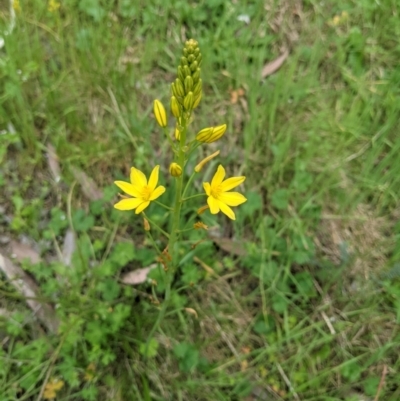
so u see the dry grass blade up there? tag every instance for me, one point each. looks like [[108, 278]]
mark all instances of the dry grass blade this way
[[137, 276], [28, 288], [89, 187], [274, 66], [52, 161]]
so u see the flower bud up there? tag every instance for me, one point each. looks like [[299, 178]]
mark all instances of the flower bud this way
[[197, 87], [175, 107], [184, 61], [205, 160], [197, 100], [188, 84], [188, 101], [196, 76], [194, 66], [211, 134], [204, 134], [160, 114], [177, 134], [202, 209], [186, 71], [180, 90], [146, 225], [181, 74], [175, 170]]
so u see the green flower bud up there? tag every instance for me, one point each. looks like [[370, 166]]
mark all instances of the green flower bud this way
[[191, 58], [175, 170], [196, 52], [186, 71], [180, 90], [199, 59], [197, 87], [196, 76], [184, 61], [181, 74], [188, 101], [188, 84], [197, 100], [175, 107], [194, 66], [160, 114]]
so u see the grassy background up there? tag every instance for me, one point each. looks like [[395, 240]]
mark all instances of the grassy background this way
[[308, 308]]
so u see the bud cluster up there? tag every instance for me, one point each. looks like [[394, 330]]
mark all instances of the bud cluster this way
[[187, 88]]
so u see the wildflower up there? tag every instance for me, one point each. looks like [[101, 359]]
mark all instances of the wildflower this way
[[142, 191], [175, 170], [211, 134], [51, 389], [160, 114], [219, 199], [53, 6], [205, 160]]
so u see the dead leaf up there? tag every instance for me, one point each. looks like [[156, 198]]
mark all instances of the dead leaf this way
[[53, 162], [231, 246], [205, 266], [89, 187], [28, 288], [22, 252], [68, 247], [137, 276], [274, 66]]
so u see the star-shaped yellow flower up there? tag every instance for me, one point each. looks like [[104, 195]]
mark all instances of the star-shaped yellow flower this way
[[218, 197], [143, 192]]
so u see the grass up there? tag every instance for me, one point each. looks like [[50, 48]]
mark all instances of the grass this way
[[310, 309]]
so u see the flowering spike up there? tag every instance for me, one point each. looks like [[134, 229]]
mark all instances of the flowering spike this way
[[204, 161], [160, 114]]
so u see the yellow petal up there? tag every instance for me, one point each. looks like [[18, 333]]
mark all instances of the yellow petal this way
[[128, 204], [157, 193], [207, 188], [218, 176], [138, 178], [232, 183], [232, 198], [141, 207], [128, 188], [213, 203], [153, 180], [225, 209]]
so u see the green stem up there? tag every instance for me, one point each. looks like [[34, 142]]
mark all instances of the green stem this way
[[174, 234], [162, 205], [187, 185], [193, 196]]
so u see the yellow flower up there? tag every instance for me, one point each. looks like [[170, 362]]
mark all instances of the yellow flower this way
[[53, 5], [219, 199], [51, 389], [143, 192]]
